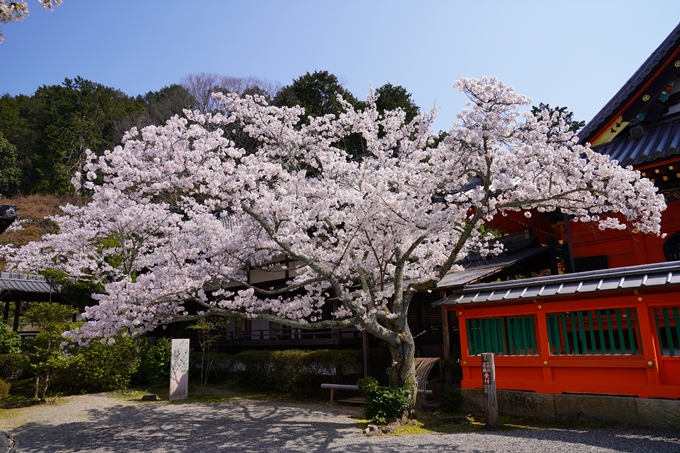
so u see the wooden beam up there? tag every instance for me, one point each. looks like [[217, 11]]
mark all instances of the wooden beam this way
[[445, 331]]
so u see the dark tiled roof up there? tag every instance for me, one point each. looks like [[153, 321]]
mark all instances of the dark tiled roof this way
[[662, 140], [623, 278], [485, 268], [636, 81], [25, 283]]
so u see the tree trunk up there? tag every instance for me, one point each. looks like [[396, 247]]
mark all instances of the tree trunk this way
[[403, 373], [37, 388], [44, 386]]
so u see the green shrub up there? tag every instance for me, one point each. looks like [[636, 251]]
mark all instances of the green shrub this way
[[295, 369], [339, 366], [12, 366], [367, 385], [287, 367], [220, 365], [10, 342], [100, 367], [383, 404], [451, 400], [254, 369], [222, 362], [4, 388], [154, 361], [335, 363], [47, 359]]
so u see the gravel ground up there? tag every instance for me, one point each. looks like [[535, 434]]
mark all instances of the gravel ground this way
[[99, 423]]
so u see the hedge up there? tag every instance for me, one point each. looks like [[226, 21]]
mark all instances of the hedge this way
[[292, 369], [4, 388]]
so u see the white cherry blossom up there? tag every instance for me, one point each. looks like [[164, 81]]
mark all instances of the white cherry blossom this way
[[180, 214], [17, 11]]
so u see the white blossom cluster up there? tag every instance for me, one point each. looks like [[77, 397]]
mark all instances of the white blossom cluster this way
[[18, 11], [360, 232]]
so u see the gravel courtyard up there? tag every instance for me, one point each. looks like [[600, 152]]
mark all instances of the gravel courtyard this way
[[99, 423]]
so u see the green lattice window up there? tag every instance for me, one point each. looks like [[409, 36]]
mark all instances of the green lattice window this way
[[504, 335], [594, 332], [668, 330]]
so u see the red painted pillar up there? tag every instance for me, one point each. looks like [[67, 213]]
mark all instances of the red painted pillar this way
[[543, 343], [464, 358], [648, 341]]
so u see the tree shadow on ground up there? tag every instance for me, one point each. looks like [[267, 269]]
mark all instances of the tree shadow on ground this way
[[246, 426]]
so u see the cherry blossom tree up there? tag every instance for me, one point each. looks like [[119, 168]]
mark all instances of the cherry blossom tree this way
[[179, 214], [18, 11]]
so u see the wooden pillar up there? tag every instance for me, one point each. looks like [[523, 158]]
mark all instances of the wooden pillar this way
[[490, 397], [17, 307], [445, 332], [648, 341], [6, 318], [447, 341], [364, 347], [464, 357], [569, 250], [543, 343]]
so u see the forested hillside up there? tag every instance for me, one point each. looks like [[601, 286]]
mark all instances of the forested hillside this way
[[43, 137]]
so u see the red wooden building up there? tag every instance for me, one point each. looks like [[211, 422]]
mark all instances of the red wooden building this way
[[613, 325]]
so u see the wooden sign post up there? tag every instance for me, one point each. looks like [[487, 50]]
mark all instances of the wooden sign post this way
[[489, 385]]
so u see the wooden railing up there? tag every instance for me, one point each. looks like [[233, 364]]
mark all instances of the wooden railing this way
[[667, 324], [594, 332], [290, 334]]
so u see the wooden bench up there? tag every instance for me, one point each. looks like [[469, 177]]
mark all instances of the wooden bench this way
[[334, 387]]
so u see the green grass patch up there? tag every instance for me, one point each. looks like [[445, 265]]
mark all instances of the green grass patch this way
[[133, 394], [413, 430]]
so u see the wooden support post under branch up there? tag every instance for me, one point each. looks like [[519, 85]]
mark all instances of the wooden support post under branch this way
[[490, 397]]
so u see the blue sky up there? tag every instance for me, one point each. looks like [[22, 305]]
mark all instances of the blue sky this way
[[568, 53]]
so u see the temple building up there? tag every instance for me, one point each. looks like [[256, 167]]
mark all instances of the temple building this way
[[608, 321]]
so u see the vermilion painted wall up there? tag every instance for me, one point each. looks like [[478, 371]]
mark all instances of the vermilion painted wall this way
[[647, 374], [624, 248]]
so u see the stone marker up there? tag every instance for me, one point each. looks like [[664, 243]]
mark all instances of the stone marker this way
[[179, 369]]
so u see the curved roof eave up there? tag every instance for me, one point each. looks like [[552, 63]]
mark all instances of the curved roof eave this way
[[638, 79]]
